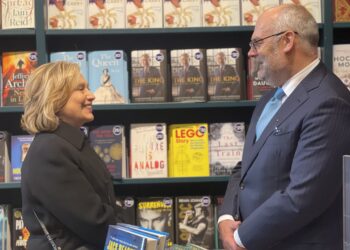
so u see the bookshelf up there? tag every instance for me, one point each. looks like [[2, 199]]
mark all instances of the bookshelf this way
[[47, 41]]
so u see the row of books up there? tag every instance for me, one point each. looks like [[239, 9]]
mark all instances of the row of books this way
[[111, 14], [156, 150]]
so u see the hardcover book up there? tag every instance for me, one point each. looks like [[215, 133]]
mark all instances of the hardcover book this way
[[256, 87], [5, 229], [157, 213], [109, 143], [68, 14], [107, 14], [149, 75], [188, 150], [188, 75], [225, 74], [20, 233], [182, 14], [226, 142], [5, 164], [341, 62], [19, 147], [251, 10], [16, 67], [218, 201], [78, 57], [341, 9], [148, 150], [127, 206], [221, 13], [18, 14], [108, 76], [144, 14], [194, 213], [313, 6]]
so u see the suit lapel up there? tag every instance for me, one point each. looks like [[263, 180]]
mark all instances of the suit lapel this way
[[293, 102]]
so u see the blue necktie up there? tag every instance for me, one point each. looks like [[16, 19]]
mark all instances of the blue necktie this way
[[269, 111]]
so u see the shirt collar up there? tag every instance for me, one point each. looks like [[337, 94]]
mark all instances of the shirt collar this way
[[71, 134]]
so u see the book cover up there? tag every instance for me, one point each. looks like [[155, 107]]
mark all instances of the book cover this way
[[221, 13], [109, 143], [188, 75], [149, 75], [16, 67], [256, 87], [108, 76], [313, 6], [144, 14], [341, 10], [341, 62], [78, 57], [19, 148], [67, 14], [194, 213], [127, 206], [188, 150], [157, 213], [5, 229], [218, 201], [148, 150], [251, 10], [107, 14], [182, 14], [20, 233], [17, 14], [225, 74], [226, 142], [5, 164]]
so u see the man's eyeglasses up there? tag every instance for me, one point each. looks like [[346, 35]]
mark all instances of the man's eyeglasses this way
[[253, 44]]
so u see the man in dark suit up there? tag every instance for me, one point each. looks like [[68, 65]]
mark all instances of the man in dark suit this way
[[153, 81], [289, 192]]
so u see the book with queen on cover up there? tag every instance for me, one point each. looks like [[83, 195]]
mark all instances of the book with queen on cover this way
[[188, 150], [148, 150], [16, 67], [109, 143]]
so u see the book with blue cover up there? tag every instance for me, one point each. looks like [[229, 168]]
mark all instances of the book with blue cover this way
[[78, 57], [108, 78], [19, 147]]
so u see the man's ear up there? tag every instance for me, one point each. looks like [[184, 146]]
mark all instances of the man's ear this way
[[289, 40]]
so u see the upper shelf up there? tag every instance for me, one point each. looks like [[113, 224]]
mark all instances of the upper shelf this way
[[344, 25], [17, 32]]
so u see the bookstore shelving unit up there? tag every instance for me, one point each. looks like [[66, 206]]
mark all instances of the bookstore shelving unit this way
[[47, 41]]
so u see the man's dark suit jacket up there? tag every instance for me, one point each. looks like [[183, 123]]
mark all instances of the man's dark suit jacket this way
[[289, 194], [70, 189]]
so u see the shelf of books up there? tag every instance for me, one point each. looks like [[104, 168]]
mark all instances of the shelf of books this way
[[171, 180]]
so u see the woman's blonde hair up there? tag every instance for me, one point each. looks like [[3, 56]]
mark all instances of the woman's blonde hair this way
[[47, 90]]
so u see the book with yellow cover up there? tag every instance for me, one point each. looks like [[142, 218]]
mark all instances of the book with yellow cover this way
[[188, 150]]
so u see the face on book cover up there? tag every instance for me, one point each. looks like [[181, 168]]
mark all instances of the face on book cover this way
[[154, 219], [78, 109]]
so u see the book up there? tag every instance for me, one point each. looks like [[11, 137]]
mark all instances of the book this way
[[127, 208], [188, 150], [144, 14], [157, 213], [162, 236], [19, 147], [256, 87], [149, 75], [182, 14], [109, 143], [225, 74], [148, 150], [5, 229], [226, 142], [218, 201], [107, 14], [68, 14], [16, 67], [194, 213], [341, 62], [251, 10], [17, 14], [188, 75], [108, 78], [20, 233], [313, 6], [341, 10], [5, 164], [119, 237], [221, 13], [78, 57]]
